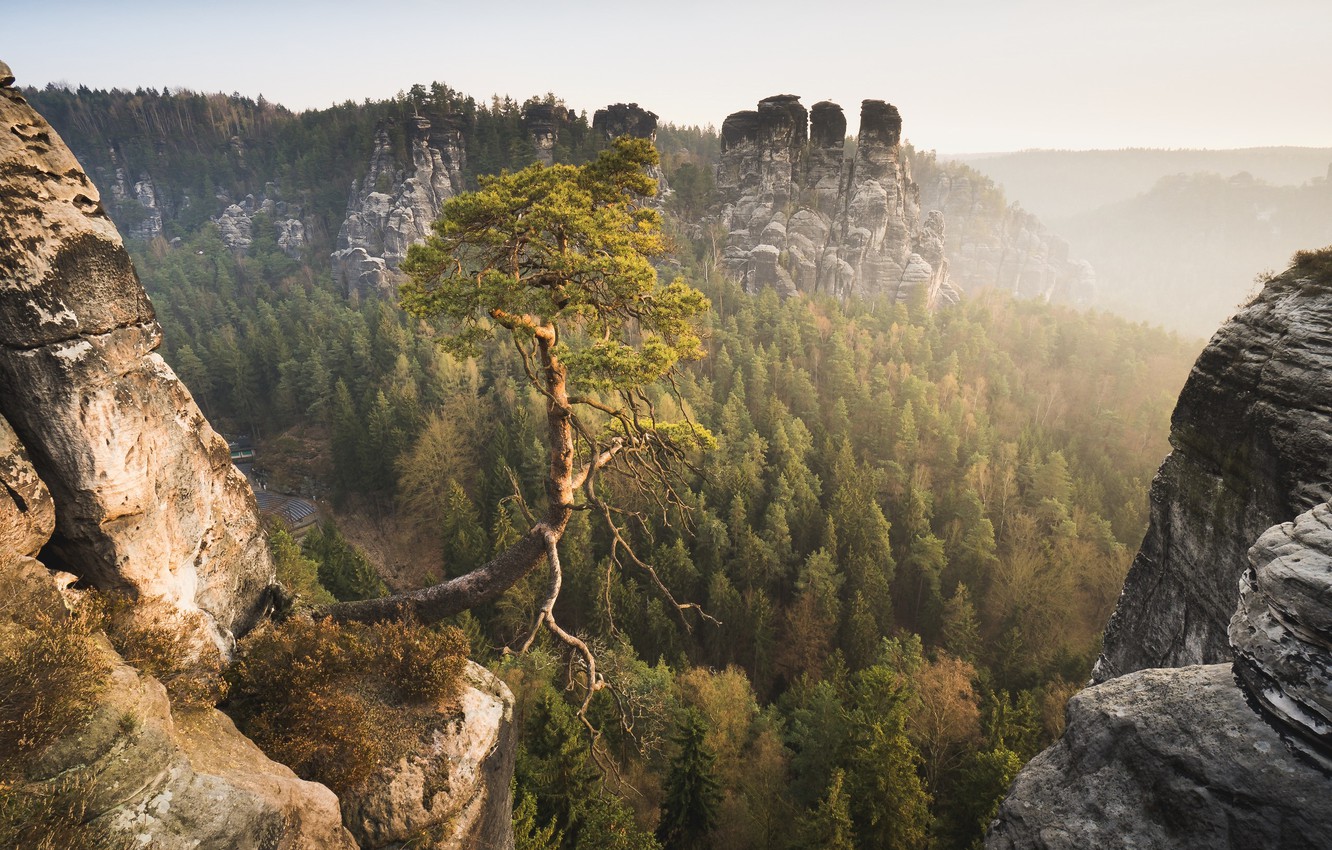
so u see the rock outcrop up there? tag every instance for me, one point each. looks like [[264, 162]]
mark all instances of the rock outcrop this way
[[160, 777], [1165, 759], [146, 498], [454, 787], [802, 217], [144, 220], [1282, 632], [991, 244], [1216, 755], [394, 207], [235, 224], [624, 119], [542, 122], [1252, 440]]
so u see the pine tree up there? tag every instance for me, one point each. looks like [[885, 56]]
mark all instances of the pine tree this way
[[692, 791]]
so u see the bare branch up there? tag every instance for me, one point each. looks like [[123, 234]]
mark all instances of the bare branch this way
[[547, 616]]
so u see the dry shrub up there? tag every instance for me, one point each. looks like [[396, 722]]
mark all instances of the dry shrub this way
[[334, 702], [165, 643], [51, 816], [1317, 263], [50, 677], [52, 670]]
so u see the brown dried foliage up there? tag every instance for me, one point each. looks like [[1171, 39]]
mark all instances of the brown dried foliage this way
[[336, 702]]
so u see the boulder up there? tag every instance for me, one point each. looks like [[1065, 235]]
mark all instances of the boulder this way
[[1165, 759], [453, 789], [1282, 631]]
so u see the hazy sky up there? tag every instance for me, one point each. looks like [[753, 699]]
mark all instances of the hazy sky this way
[[968, 75]]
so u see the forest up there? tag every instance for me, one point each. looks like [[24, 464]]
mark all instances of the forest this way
[[908, 537]]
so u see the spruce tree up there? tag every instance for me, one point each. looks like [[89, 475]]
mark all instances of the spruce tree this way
[[692, 791]]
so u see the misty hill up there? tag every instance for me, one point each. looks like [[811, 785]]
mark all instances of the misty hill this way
[[1176, 237], [1185, 254], [1057, 184]]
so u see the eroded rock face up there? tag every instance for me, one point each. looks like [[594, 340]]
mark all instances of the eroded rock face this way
[[1222, 755], [1165, 759], [1282, 632], [27, 514], [454, 787], [146, 498], [802, 217], [1252, 439], [394, 207]]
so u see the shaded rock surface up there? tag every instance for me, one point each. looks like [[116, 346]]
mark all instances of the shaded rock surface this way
[[393, 207], [1166, 759], [1282, 631], [146, 498], [1224, 755], [542, 122], [27, 514], [625, 119], [454, 787], [1252, 440], [802, 216]]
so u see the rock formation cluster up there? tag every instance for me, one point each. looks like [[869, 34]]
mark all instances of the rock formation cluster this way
[[113, 478], [1179, 746], [803, 216], [235, 224], [394, 207]]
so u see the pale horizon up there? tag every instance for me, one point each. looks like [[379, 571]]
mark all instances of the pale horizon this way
[[968, 77]]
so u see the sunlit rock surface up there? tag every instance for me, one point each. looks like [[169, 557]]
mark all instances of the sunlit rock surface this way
[[453, 788], [803, 216], [146, 498], [27, 514]]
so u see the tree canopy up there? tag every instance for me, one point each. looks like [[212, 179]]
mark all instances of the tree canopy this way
[[560, 258]]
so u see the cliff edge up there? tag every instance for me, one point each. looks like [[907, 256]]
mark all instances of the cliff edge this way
[[1216, 755]]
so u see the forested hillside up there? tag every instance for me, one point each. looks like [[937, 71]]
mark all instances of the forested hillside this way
[[911, 531], [909, 534]]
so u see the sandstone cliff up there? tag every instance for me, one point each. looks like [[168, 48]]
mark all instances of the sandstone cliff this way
[[802, 216], [1252, 440], [1215, 755], [112, 474], [392, 207], [146, 498]]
